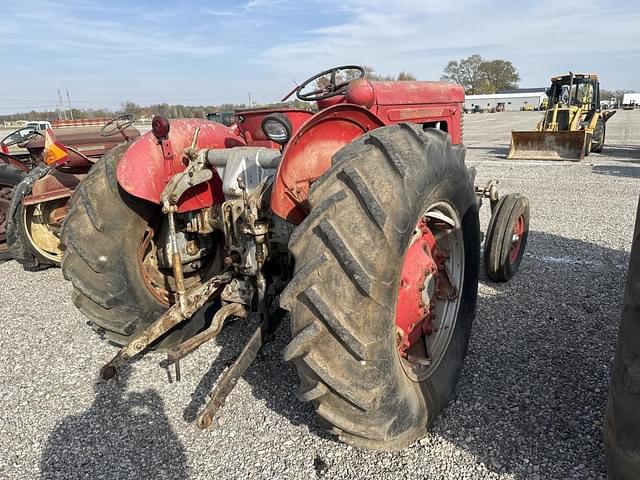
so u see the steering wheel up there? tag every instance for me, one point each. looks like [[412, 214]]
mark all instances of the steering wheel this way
[[331, 90], [20, 140], [118, 125]]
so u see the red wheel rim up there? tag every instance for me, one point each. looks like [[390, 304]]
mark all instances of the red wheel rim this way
[[429, 291], [516, 240]]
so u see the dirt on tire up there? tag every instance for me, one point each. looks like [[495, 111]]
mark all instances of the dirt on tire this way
[[17, 238], [348, 253], [10, 177], [622, 422]]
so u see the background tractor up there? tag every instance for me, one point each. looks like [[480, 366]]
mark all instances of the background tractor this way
[[573, 124], [360, 221], [37, 204]]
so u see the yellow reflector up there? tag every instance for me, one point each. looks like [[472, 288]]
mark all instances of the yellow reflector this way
[[54, 152]]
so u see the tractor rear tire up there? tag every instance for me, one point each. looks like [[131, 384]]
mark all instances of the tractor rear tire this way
[[101, 236], [342, 299], [599, 134], [622, 422], [18, 240], [10, 177], [502, 257]]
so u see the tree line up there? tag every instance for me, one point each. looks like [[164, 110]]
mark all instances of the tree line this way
[[188, 111]]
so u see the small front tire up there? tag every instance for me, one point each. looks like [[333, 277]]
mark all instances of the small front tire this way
[[506, 238]]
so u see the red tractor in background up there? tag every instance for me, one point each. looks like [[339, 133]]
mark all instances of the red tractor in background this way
[[360, 221], [36, 187]]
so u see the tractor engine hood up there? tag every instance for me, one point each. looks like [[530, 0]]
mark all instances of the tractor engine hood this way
[[418, 92]]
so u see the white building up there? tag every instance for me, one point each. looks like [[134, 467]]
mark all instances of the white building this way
[[631, 99], [510, 101]]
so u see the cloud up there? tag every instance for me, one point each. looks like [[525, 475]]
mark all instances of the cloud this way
[[220, 13], [391, 36]]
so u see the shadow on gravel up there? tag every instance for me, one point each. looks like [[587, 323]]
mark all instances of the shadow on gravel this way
[[500, 152], [622, 152], [270, 377], [532, 395], [122, 435], [617, 170]]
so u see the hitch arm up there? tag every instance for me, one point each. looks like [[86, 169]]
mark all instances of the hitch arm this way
[[195, 299], [231, 375]]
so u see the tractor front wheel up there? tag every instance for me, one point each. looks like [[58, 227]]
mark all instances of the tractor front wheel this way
[[507, 237], [384, 290]]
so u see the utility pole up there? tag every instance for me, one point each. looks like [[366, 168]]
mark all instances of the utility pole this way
[[63, 111], [69, 102], [249, 99]]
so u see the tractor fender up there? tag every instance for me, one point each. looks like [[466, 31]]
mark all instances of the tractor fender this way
[[308, 154], [6, 159], [145, 168]]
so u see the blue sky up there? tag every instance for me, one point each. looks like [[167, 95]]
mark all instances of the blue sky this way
[[213, 52]]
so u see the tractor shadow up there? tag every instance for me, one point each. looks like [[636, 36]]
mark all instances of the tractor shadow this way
[[271, 378], [123, 434], [533, 391]]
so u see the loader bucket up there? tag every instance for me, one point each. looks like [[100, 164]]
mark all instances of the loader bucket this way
[[548, 145]]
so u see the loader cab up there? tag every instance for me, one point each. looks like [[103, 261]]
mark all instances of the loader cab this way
[[579, 90], [573, 100]]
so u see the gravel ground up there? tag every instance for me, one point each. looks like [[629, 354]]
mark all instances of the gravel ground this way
[[529, 404]]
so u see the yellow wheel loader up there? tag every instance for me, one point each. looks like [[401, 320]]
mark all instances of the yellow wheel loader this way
[[572, 126]]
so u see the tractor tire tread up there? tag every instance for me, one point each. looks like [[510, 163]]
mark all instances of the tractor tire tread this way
[[341, 280]]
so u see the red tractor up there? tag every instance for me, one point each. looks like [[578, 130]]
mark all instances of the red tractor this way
[[35, 199], [360, 221]]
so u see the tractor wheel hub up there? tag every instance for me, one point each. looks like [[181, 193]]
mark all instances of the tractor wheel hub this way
[[418, 287]]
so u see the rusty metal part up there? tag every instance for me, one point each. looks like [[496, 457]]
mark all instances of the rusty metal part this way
[[43, 224], [194, 300], [232, 374], [489, 191], [178, 274], [188, 346], [195, 174]]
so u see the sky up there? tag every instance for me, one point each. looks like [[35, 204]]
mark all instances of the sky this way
[[214, 52]]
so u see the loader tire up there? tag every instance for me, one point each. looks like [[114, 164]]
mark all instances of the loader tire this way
[[502, 255], [349, 253], [20, 246], [101, 236], [622, 421], [10, 177], [599, 134]]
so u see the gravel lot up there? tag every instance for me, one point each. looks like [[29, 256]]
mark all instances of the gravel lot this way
[[529, 405]]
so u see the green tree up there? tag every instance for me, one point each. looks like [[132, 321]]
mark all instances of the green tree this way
[[499, 75], [477, 75], [131, 107], [465, 72], [405, 76]]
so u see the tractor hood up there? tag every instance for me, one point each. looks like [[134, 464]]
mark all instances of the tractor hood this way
[[414, 93]]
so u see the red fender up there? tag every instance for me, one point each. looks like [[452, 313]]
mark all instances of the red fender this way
[[143, 170], [308, 154]]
